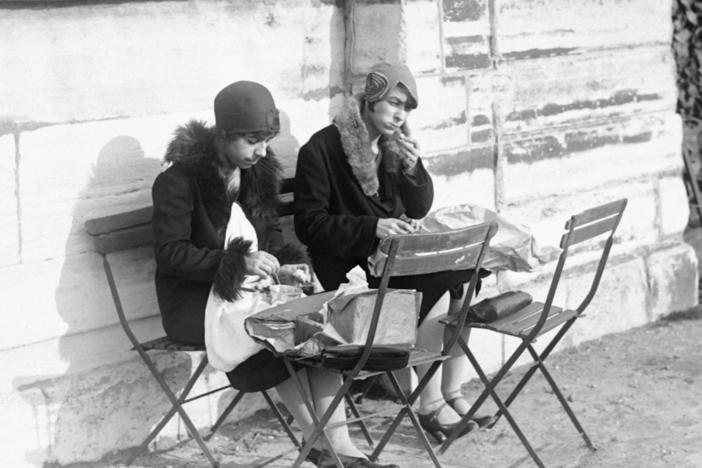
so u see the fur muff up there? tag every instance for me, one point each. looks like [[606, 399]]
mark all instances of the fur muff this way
[[355, 140], [232, 270], [291, 254]]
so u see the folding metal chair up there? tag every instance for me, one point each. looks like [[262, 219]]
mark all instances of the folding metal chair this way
[[133, 229], [406, 255], [538, 318]]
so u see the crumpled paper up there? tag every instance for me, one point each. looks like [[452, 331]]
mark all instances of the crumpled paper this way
[[510, 248], [303, 327]]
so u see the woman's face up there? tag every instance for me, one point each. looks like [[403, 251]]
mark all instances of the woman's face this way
[[243, 152], [390, 112]]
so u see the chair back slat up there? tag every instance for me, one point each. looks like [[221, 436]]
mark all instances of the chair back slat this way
[[421, 263], [588, 231], [137, 236], [106, 224], [431, 252], [286, 208], [593, 214], [432, 242]]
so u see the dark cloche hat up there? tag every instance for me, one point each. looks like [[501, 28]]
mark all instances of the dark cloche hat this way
[[246, 106]]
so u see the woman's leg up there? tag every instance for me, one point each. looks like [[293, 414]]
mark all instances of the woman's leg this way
[[455, 370], [431, 337], [322, 386]]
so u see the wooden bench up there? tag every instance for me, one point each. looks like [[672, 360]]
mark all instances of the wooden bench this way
[[132, 229]]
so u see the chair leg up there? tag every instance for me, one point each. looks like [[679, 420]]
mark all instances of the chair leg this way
[[406, 409], [357, 414], [561, 398], [232, 404], [490, 386], [530, 372], [319, 423], [413, 417], [177, 405], [283, 422]]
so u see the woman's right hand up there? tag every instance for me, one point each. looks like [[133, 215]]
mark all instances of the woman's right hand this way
[[392, 226], [261, 263]]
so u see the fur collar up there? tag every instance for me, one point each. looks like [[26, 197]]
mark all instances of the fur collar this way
[[355, 141], [193, 147]]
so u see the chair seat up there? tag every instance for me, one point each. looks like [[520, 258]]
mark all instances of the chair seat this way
[[522, 321], [166, 344]]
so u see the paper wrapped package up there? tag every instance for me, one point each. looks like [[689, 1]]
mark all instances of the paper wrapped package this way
[[304, 327], [351, 315], [510, 248]]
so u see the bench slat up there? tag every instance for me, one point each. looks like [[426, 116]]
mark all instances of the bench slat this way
[[124, 239], [115, 222]]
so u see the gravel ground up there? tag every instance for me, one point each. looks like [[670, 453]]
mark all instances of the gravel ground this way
[[637, 394]]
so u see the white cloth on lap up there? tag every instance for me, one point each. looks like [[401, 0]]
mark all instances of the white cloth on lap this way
[[226, 340]]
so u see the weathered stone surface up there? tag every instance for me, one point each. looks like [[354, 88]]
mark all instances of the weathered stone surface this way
[[535, 172], [377, 27], [9, 229], [230, 40], [621, 301], [530, 30], [440, 122], [672, 280], [475, 187], [546, 216], [422, 49], [466, 35], [67, 296], [672, 205], [89, 170]]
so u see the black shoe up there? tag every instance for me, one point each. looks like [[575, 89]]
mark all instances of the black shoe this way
[[430, 423], [481, 421]]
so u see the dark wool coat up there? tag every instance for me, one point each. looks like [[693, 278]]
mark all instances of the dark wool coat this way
[[191, 211], [339, 196]]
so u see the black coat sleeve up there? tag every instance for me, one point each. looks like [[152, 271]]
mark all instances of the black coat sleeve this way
[[341, 235], [175, 252], [416, 190]]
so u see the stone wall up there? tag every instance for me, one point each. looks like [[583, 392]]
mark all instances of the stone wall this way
[[535, 108]]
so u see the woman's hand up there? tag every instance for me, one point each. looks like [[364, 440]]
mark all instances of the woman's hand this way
[[408, 151], [294, 274], [392, 226], [261, 263]]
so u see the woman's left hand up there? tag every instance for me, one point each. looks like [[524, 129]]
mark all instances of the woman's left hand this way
[[294, 274]]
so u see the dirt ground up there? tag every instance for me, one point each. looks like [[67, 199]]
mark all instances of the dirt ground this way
[[638, 394]]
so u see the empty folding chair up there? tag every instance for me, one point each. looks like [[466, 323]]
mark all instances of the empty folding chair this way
[[536, 319], [413, 254]]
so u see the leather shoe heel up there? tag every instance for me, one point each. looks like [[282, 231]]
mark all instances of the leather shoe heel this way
[[440, 432]]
